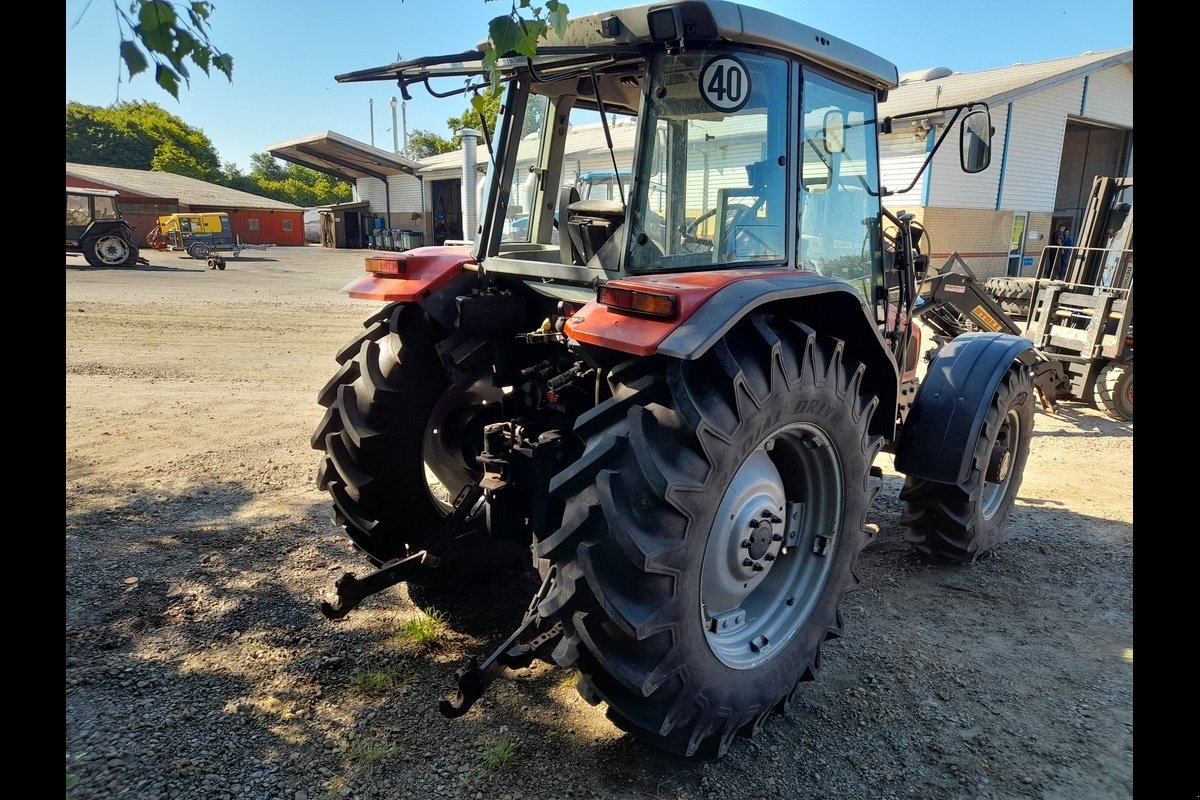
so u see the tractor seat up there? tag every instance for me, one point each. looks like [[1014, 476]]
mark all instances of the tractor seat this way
[[591, 223]]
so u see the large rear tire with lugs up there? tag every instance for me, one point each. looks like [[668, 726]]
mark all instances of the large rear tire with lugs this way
[[966, 522], [710, 532], [397, 436]]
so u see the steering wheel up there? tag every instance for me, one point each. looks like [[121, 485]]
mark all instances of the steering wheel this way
[[736, 217]]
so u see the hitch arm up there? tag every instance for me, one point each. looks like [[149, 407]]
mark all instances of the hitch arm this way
[[515, 653], [352, 590]]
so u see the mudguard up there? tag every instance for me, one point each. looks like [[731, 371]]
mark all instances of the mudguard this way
[[413, 275], [710, 303], [938, 439]]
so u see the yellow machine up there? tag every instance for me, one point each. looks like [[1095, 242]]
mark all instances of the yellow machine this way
[[201, 236]]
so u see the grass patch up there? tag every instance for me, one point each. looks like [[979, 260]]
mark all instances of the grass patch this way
[[499, 755], [376, 682], [365, 756], [423, 630], [570, 679]]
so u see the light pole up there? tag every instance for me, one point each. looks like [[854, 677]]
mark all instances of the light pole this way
[[371, 105]]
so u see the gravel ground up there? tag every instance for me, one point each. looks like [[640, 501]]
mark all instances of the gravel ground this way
[[197, 545]]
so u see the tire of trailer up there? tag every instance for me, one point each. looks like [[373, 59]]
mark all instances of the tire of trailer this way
[[383, 408], [1113, 390], [681, 609], [198, 251], [965, 523]]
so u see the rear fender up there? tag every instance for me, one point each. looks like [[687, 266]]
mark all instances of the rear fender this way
[[708, 304], [937, 442], [414, 274]]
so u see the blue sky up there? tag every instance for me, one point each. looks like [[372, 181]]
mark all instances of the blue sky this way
[[286, 54]]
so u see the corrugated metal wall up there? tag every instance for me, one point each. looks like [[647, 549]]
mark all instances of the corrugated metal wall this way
[[1034, 152], [403, 195], [1107, 98], [900, 156]]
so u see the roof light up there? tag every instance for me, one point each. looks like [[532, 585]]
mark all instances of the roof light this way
[[638, 302]]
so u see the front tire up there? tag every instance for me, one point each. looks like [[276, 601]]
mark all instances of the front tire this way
[[1113, 390], [390, 411], [966, 522], [710, 532]]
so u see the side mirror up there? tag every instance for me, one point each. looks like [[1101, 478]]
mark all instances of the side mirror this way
[[975, 141], [834, 133]]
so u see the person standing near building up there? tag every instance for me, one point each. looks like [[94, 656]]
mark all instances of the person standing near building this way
[[1068, 242], [1056, 252]]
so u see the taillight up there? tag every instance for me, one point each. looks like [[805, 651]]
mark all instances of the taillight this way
[[387, 265], [637, 301]]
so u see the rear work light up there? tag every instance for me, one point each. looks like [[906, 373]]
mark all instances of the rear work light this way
[[387, 265], [638, 302]]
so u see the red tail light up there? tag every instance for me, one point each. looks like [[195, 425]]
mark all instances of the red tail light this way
[[387, 264], [638, 302]]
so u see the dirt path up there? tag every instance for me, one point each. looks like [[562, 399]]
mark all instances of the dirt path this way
[[190, 402]]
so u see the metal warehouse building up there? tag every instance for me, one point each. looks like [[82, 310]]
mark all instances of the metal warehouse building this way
[[147, 195]]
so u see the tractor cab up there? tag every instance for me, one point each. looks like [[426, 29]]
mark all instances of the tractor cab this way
[[749, 142]]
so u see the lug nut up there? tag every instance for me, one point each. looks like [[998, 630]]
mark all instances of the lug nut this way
[[757, 567], [746, 543], [768, 557], [776, 537], [747, 563], [754, 524]]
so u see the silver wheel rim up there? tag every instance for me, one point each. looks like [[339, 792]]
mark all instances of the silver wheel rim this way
[[112, 250], [772, 546], [999, 469]]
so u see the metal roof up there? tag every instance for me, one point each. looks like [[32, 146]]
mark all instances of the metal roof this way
[[189, 191], [335, 154], [1000, 85]]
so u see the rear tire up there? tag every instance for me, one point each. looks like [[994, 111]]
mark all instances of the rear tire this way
[[681, 609], [198, 251], [110, 250], [1113, 391], [389, 409], [966, 522]]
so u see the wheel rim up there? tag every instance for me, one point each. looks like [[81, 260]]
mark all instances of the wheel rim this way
[[772, 546], [453, 437], [999, 470], [112, 250]]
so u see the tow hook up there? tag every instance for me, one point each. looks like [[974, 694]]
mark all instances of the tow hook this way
[[352, 590], [517, 652]]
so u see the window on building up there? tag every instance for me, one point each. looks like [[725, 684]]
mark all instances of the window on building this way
[[286, 225], [252, 223]]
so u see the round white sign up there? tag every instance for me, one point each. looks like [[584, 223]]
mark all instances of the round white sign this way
[[725, 83]]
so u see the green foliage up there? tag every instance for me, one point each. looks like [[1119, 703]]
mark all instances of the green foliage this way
[[486, 104], [135, 135], [169, 35], [72, 781], [142, 135], [423, 630], [422, 144], [499, 755], [514, 33], [364, 757], [376, 682]]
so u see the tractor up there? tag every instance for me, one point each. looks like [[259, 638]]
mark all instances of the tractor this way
[[670, 417], [97, 230]]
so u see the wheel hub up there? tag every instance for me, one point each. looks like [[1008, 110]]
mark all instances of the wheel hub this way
[[770, 550]]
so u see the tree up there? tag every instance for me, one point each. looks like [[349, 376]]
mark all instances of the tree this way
[[169, 34], [139, 135], [514, 33], [423, 143]]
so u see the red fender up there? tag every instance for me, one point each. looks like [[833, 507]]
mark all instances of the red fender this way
[[639, 335], [409, 276]]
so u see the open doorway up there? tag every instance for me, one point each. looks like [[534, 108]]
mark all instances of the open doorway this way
[[446, 197]]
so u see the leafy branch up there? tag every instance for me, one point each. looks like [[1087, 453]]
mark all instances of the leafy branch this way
[[514, 33], [165, 34]]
